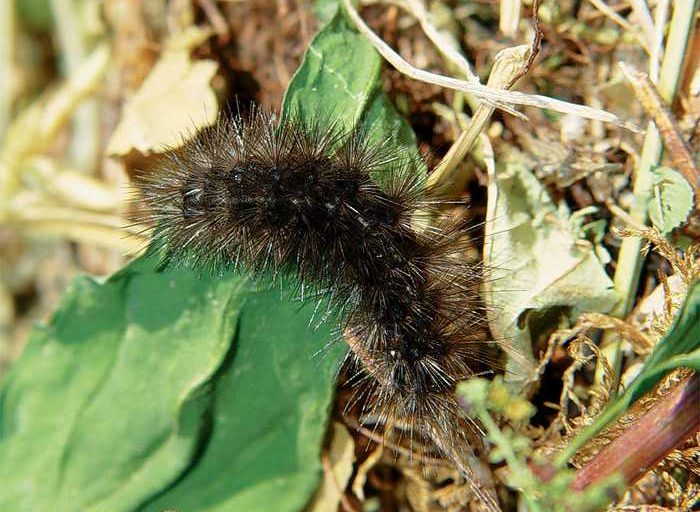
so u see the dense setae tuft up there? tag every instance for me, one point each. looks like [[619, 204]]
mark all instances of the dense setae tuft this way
[[303, 197]]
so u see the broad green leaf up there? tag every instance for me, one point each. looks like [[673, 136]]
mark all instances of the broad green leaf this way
[[105, 406], [671, 201], [270, 415], [168, 388], [537, 264], [340, 78]]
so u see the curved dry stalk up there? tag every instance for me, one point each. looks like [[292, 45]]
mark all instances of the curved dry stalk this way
[[480, 91], [448, 50], [507, 67], [101, 229], [36, 126]]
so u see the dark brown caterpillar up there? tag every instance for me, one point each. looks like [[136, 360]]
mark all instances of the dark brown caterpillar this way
[[289, 195]]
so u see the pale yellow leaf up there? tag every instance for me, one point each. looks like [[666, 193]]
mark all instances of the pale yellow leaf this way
[[341, 456], [358, 484], [175, 99]]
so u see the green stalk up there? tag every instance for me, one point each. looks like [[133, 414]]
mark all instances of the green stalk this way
[[629, 262], [669, 422], [516, 464]]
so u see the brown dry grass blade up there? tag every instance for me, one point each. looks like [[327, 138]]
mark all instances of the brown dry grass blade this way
[[656, 108]]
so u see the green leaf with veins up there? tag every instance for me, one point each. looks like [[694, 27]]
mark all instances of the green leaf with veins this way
[[340, 79], [671, 201], [104, 407], [537, 263]]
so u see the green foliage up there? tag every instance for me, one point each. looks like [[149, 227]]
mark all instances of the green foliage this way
[[269, 415], [340, 78], [325, 10], [672, 199], [554, 495], [131, 378], [165, 388], [106, 405], [35, 13], [679, 348]]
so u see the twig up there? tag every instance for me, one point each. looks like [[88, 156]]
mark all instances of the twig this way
[[480, 91], [214, 16], [373, 436], [445, 47], [535, 44], [655, 107], [610, 13]]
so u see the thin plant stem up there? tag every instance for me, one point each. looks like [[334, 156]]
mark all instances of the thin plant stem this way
[[509, 64], [445, 47], [516, 464]]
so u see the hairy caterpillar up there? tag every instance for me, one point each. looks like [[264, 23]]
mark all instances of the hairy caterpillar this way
[[300, 196]]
